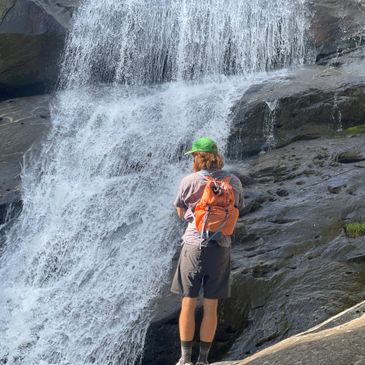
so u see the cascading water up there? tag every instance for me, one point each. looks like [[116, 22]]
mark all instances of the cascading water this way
[[269, 125], [139, 41], [94, 242]]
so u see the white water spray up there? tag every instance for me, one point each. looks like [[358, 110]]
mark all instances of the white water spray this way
[[141, 42], [94, 242]]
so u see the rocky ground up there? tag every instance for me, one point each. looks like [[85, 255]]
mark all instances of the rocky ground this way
[[293, 264], [339, 340]]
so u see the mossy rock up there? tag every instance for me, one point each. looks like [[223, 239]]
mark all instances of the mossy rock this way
[[354, 230], [348, 132], [358, 129], [350, 156]]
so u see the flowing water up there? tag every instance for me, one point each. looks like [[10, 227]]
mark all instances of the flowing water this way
[[93, 245], [269, 125]]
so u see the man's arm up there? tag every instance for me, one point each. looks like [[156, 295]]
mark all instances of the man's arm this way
[[180, 212]]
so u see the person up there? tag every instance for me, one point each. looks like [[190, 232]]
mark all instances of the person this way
[[203, 262]]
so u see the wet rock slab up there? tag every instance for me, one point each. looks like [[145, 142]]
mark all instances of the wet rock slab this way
[[306, 104], [336, 26], [23, 122], [61, 10], [293, 264], [336, 341], [31, 42]]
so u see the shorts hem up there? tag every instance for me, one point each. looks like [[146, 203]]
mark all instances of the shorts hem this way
[[216, 297], [183, 294]]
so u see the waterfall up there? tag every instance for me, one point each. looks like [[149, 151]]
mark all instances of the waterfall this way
[[138, 42], [93, 245]]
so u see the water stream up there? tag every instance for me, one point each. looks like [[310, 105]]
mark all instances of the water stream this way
[[93, 245]]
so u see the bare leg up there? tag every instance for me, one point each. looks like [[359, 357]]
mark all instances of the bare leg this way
[[209, 321], [187, 319]]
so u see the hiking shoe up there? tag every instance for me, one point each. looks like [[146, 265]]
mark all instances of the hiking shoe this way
[[186, 363]]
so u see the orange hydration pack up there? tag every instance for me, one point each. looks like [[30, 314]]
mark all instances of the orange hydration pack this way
[[215, 211]]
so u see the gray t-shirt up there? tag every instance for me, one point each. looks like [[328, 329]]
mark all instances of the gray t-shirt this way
[[190, 191]]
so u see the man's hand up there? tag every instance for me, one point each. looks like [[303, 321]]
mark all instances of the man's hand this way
[[181, 212]]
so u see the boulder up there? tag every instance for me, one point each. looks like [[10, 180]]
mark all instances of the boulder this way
[[336, 26], [338, 340], [305, 104], [31, 42]]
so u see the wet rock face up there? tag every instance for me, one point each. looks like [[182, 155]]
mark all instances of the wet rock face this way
[[306, 104], [336, 341], [30, 45], [293, 264], [61, 10], [336, 26], [23, 122]]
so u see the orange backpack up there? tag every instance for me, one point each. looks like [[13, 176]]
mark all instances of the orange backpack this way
[[215, 211]]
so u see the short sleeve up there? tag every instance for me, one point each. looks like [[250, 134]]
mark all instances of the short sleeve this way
[[179, 201], [238, 192]]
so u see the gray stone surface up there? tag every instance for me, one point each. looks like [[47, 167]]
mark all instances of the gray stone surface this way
[[30, 45], [336, 26], [306, 104], [23, 122], [61, 10], [294, 266], [338, 340]]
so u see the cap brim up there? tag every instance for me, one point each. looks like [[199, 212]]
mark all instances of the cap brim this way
[[189, 152]]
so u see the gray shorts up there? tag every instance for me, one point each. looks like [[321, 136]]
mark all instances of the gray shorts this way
[[207, 266]]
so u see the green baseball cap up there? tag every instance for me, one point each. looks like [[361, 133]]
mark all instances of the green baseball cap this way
[[203, 144]]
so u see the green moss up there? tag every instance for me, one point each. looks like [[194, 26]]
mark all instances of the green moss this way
[[358, 129], [355, 229], [355, 130]]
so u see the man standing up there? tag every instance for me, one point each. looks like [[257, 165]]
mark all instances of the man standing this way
[[205, 256]]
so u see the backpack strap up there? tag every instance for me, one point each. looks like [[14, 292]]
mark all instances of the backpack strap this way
[[205, 220]]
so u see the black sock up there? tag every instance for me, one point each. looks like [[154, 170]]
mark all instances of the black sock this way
[[186, 349], [204, 352]]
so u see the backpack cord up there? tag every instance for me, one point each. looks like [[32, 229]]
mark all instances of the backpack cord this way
[[205, 220], [216, 232]]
